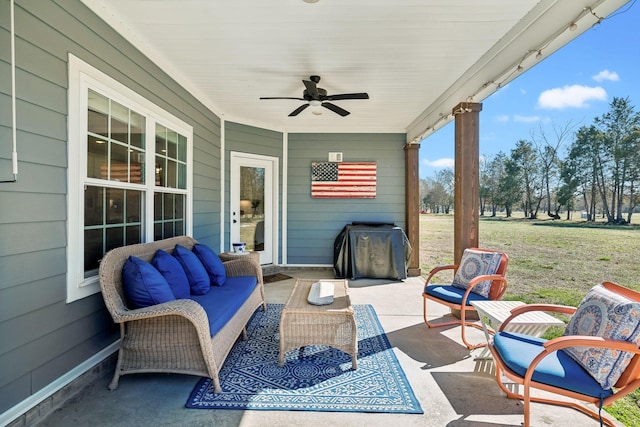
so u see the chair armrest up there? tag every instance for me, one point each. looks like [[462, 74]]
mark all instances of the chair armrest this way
[[485, 277], [438, 269], [515, 312], [572, 341], [589, 341], [479, 279]]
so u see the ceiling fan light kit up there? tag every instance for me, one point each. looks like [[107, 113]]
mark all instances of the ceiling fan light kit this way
[[317, 97]]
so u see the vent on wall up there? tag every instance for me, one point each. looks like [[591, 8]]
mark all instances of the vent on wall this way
[[335, 157]]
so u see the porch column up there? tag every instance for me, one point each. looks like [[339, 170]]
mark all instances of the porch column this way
[[467, 177], [412, 198]]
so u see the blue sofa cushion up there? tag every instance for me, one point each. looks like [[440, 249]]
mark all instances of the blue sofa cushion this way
[[143, 284], [557, 369], [212, 263], [199, 283], [172, 271], [222, 302], [452, 294]]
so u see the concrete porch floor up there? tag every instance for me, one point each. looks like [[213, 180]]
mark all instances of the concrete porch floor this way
[[454, 390]]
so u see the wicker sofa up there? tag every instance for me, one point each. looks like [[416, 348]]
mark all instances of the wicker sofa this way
[[172, 337]]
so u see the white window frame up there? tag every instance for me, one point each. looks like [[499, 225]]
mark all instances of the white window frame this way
[[83, 77]]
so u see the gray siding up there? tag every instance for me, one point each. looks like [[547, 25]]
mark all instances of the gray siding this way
[[42, 337], [253, 140], [313, 224]]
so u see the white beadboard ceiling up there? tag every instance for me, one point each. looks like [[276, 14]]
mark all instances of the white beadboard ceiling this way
[[417, 59]]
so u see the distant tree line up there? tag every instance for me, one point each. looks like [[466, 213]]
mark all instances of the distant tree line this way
[[599, 172]]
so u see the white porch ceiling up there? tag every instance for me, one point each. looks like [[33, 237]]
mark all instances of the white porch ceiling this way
[[416, 59]]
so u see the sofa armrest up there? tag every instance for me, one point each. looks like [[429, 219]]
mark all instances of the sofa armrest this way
[[243, 267], [186, 308]]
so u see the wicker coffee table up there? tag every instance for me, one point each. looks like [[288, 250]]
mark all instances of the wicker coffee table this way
[[303, 324]]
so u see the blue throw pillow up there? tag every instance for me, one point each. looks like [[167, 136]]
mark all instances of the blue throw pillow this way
[[172, 271], [197, 275], [143, 284], [212, 263]]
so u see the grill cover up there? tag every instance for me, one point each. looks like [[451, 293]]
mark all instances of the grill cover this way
[[371, 251]]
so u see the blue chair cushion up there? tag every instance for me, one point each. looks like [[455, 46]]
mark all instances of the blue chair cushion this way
[[172, 271], [212, 263], [222, 302], [452, 294], [143, 284], [199, 283], [517, 351]]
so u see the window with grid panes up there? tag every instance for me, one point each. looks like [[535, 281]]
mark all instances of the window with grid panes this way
[[131, 174]]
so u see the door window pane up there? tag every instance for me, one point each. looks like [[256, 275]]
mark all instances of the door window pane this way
[[252, 207]]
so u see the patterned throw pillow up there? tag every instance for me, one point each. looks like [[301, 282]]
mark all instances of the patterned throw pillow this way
[[476, 263], [604, 313]]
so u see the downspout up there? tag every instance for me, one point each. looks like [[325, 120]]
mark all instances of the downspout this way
[[14, 152]]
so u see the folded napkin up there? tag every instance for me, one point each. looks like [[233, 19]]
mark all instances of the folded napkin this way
[[321, 293]]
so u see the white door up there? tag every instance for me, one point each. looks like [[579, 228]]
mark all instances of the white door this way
[[253, 203]]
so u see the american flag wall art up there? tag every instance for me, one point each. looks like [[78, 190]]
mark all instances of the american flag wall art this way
[[348, 180]]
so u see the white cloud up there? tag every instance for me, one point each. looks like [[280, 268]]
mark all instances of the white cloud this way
[[526, 119], [576, 96], [439, 163], [606, 75], [503, 118]]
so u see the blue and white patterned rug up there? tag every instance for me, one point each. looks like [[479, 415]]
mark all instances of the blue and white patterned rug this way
[[322, 380]]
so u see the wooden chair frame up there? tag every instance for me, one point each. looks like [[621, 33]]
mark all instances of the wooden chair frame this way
[[498, 288], [628, 382]]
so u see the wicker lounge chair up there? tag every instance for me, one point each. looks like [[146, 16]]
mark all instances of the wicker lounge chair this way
[[172, 337]]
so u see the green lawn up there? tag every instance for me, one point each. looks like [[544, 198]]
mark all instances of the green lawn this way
[[549, 261]]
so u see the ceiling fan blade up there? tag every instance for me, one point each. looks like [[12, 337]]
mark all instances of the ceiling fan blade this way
[[281, 97], [298, 110], [312, 89], [363, 95], [335, 109]]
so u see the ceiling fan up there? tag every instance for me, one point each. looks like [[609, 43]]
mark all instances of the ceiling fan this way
[[316, 97]]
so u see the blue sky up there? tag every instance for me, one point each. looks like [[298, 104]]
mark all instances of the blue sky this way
[[573, 85]]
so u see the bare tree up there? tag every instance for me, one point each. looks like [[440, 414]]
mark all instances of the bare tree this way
[[547, 148]]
